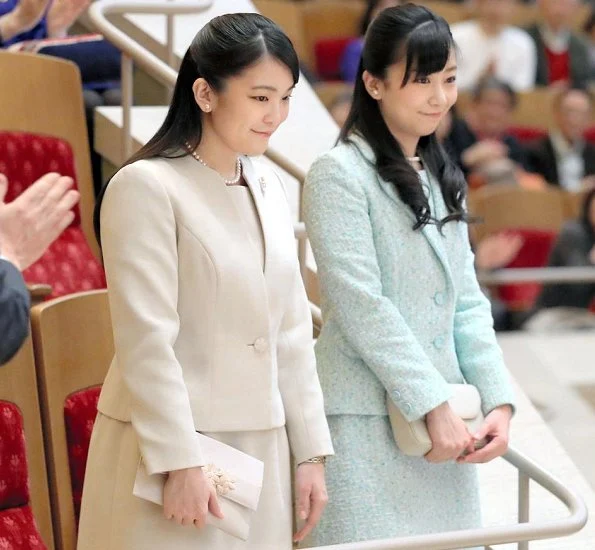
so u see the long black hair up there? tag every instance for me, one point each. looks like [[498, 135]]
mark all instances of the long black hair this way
[[421, 38], [224, 47], [367, 16]]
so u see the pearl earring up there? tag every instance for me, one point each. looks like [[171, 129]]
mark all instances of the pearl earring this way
[[207, 107]]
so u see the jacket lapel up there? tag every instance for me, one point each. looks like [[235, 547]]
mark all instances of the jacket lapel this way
[[257, 183], [430, 232]]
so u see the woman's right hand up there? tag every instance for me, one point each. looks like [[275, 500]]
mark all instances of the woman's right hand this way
[[188, 497], [449, 435]]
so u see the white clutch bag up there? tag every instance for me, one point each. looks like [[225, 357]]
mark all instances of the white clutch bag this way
[[237, 477], [413, 438]]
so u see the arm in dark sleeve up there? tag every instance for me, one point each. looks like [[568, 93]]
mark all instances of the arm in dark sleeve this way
[[14, 311], [571, 248]]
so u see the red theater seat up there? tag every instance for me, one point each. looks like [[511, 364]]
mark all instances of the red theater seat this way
[[68, 265]]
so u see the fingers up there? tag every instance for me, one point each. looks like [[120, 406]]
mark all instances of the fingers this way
[[34, 195], [187, 520], [316, 509], [55, 194], [61, 215], [303, 502], [448, 450], [214, 507], [3, 187], [316, 504], [495, 448]]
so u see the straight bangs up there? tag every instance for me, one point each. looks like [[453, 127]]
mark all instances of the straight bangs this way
[[426, 50]]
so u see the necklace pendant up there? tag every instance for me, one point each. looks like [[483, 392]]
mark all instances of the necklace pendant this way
[[263, 185]]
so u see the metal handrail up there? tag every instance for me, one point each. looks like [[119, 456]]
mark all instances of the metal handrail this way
[[543, 275], [521, 533]]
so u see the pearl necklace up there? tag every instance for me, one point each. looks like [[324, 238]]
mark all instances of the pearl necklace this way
[[233, 181], [414, 159]]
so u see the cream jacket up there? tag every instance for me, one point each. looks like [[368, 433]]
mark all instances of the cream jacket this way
[[204, 339]]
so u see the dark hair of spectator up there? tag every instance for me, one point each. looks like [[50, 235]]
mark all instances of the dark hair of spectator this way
[[493, 83], [589, 23], [224, 47], [423, 40], [585, 214], [367, 16]]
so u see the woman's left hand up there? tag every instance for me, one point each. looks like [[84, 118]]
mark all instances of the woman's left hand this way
[[312, 497], [495, 429]]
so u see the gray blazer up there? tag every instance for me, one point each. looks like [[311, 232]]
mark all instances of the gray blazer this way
[[571, 249], [580, 64]]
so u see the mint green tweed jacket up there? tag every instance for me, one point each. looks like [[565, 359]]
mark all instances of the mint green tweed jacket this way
[[403, 312]]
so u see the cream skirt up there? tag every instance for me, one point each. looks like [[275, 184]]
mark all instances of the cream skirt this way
[[112, 518]]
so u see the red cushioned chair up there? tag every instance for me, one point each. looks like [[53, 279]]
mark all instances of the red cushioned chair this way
[[527, 134], [70, 373], [25, 521], [45, 100], [328, 53], [535, 252], [537, 215], [69, 264]]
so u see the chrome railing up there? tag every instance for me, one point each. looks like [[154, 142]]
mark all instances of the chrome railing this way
[[521, 533], [543, 275]]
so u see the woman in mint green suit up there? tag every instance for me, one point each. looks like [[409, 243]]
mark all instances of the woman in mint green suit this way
[[403, 313]]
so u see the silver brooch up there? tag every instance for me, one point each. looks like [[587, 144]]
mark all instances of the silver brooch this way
[[263, 185]]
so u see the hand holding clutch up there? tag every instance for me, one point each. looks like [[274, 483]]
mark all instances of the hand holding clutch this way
[[189, 496], [235, 476]]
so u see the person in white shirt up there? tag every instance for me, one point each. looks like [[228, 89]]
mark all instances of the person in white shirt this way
[[564, 157], [489, 46]]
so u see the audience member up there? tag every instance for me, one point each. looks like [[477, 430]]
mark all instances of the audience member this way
[[353, 51], [22, 20], [564, 157], [489, 46], [479, 141], [589, 31], [495, 252], [28, 225], [562, 55], [564, 305]]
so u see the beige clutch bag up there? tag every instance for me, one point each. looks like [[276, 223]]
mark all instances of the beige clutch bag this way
[[237, 477], [412, 438]]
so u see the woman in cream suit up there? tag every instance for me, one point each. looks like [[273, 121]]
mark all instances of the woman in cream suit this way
[[404, 315], [211, 321]]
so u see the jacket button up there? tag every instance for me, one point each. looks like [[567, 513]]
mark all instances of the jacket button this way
[[407, 408], [260, 345], [439, 342], [439, 299], [396, 395]]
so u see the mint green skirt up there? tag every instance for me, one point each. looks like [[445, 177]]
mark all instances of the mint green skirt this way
[[376, 492]]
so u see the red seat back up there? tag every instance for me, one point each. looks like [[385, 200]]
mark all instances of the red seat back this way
[[535, 252], [68, 265], [328, 54], [80, 410], [18, 530]]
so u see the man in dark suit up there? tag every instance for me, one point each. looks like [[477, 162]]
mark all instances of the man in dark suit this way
[[562, 55], [28, 225], [563, 157]]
